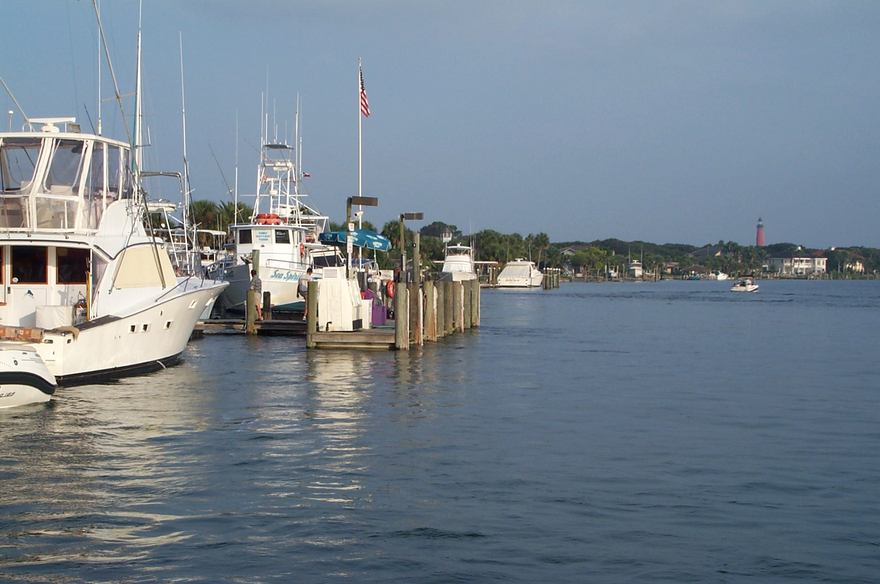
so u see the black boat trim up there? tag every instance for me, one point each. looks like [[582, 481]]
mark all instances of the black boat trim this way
[[29, 379], [118, 372]]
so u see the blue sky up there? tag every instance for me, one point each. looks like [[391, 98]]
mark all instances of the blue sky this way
[[666, 121]]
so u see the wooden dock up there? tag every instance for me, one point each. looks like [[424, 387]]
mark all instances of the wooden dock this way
[[382, 338], [425, 311], [237, 326]]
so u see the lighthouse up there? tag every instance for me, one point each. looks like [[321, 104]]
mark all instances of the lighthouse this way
[[759, 235]]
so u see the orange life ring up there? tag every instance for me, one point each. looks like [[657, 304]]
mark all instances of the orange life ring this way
[[389, 289], [268, 219]]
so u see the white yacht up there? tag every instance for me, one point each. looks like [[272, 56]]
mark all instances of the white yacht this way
[[283, 230], [83, 286], [744, 284], [458, 264], [520, 273]]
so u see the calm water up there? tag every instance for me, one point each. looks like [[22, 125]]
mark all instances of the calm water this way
[[669, 432]]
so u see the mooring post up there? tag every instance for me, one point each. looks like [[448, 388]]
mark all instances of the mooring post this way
[[401, 318], [439, 292], [267, 305], [475, 304], [430, 312], [479, 306], [251, 313], [417, 258], [457, 312], [414, 310], [446, 323], [466, 303], [311, 314]]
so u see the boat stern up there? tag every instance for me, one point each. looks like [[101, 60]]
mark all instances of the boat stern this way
[[24, 377]]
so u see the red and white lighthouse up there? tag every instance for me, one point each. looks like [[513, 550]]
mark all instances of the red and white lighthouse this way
[[759, 235]]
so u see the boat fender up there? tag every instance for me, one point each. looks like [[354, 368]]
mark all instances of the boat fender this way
[[67, 329], [389, 289]]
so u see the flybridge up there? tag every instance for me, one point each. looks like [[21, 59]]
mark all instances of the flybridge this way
[[56, 180]]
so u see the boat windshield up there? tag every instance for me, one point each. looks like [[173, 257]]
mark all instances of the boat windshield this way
[[18, 161], [63, 175]]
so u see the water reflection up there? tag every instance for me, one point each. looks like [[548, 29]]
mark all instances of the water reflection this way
[[85, 475], [256, 432]]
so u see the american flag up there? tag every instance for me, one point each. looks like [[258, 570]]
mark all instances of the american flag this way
[[365, 103]]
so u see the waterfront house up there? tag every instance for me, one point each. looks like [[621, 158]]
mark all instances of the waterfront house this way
[[798, 266]]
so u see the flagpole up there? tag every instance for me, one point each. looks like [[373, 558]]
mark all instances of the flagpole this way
[[360, 151], [360, 132]]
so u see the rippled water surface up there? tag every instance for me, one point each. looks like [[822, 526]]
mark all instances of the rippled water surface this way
[[669, 432]]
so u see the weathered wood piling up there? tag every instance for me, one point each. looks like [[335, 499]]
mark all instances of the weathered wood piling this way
[[552, 277]]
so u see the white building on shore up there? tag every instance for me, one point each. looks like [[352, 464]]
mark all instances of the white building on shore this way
[[798, 266]]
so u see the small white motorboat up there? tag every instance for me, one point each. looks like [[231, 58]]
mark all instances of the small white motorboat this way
[[744, 285], [24, 377]]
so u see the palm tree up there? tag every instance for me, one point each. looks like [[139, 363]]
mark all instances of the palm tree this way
[[228, 216], [541, 242], [203, 214]]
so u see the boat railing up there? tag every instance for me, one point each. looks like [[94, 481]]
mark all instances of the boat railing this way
[[280, 264]]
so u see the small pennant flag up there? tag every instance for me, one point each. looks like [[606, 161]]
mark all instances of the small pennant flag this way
[[365, 103]]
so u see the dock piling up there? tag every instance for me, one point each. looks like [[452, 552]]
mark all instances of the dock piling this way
[[311, 314], [401, 319]]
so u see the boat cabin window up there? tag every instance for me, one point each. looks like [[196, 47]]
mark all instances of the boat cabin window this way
[[244, 236], [64, 168], [282, 236], [73, 265], [30, 264], [94, 193], [18, 161], [117, 174], [326, 261], [126, 176]]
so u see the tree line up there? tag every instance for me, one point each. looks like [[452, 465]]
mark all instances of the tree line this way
[[585, 257]]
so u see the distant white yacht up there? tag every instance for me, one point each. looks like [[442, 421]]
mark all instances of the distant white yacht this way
[[520, 273], [458, 265]]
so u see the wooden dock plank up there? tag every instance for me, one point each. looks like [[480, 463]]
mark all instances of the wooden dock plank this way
[[295, 328]]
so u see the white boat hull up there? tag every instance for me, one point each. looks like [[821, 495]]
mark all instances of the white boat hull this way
[[24, 377], [520, 282], [456, 276], [749, 288], [114, 347]]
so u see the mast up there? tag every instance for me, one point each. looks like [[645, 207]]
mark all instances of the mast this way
[[138, 111], [186, 185], [297, 146], [98, 5], [235, 191]]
